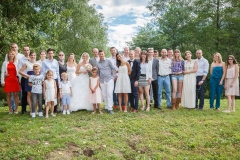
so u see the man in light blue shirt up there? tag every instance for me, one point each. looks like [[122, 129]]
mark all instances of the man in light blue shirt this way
[[51, 64], [201, 75], [106, 72]]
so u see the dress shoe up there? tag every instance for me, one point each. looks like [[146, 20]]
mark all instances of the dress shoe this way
[[158, 108]]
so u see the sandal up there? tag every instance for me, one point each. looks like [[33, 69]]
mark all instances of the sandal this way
[[100, 112], [93, 112], [148, 109]]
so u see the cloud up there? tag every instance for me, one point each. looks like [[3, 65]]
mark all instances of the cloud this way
[[123, 18]]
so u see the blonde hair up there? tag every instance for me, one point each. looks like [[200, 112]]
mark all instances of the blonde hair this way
[[64, 73], [187, 53], [219, 57], [174, 56], [36, 66], [48, 72], [15, 58]]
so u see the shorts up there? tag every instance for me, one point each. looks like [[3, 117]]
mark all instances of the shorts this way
[[177, 77], [66, 99]]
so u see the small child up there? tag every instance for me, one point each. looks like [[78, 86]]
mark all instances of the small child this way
[[36, 80], [95, 93], [65, 92], [49, 92]]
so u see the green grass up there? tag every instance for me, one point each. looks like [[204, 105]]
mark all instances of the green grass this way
[[166, 134]]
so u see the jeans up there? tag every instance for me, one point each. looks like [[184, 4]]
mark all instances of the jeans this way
[[13, 101], [36, 97], [164, 81]]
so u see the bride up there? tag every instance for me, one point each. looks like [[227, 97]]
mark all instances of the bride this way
[[80, 86]]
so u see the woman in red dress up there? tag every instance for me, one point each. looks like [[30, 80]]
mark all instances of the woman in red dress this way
[[9, 80]]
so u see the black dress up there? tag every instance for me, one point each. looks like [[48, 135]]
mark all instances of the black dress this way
[[62, 68]]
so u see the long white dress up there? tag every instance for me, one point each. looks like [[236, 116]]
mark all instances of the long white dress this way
[[189, 86], [71, 73], [80, 91], [123, 84]]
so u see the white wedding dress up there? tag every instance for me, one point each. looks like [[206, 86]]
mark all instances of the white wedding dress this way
[[80, 91]]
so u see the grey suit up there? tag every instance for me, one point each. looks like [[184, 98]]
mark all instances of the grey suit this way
[[93, 62], [155, 69]]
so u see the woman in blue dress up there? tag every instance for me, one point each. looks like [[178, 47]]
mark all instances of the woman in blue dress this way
[[217, 72]]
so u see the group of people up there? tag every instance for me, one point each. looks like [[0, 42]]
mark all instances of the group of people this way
[[118, 80]]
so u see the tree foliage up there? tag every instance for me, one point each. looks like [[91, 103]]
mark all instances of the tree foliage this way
[[70, 26], [213, 26]]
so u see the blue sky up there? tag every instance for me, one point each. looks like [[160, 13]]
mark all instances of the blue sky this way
[[123, 18]]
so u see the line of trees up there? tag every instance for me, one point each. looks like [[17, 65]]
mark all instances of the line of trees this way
[[70, 26], [210, 25]]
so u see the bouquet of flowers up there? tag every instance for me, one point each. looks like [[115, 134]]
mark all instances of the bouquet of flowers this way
[[88, 67]]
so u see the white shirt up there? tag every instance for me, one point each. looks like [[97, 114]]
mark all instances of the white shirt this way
[[164, 66], [65, 86], [203, 67], [125, 58], [114, 62]]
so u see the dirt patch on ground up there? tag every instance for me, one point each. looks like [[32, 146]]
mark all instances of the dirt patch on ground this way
[[133, 141], [72, 150]]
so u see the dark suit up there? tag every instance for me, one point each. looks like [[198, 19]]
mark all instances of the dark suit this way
[[155, 69], [134, 76]]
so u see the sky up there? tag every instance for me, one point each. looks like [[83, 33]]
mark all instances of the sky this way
[[123, 17]]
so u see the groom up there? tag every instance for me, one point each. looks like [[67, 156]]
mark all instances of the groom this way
[[106, 72]]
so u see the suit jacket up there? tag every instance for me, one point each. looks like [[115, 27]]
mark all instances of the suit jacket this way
[[155, 68], [135, 71], [93, 62]]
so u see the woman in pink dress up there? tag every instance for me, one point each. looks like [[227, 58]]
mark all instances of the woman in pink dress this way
[[231, 82]]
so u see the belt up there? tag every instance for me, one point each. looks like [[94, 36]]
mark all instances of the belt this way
[[163, 75], [143, 75]]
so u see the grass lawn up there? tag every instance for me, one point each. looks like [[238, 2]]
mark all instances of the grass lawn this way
[[166, 134]]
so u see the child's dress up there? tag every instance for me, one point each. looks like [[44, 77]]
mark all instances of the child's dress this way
[[95, 97], [50, 91]]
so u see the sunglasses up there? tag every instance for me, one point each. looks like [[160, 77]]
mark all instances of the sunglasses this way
[[230, 59], [60, 55]]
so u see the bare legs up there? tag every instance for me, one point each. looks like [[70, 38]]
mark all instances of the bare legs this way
[[145, 89], [16, 100], [231, 103], [120, 101], [95, 105]]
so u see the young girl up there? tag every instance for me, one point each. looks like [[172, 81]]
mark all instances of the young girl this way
[[231, 85], [123, 84], [49, 92], [95, 93]]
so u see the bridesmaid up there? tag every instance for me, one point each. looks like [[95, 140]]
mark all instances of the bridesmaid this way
[[231, 85], [9, 80], [217, 72], [71, 67], [189, 82], [123, 84], [42, 57], [145, 79], [62, 68], [61, 62], [177, 78], [29, 67]]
